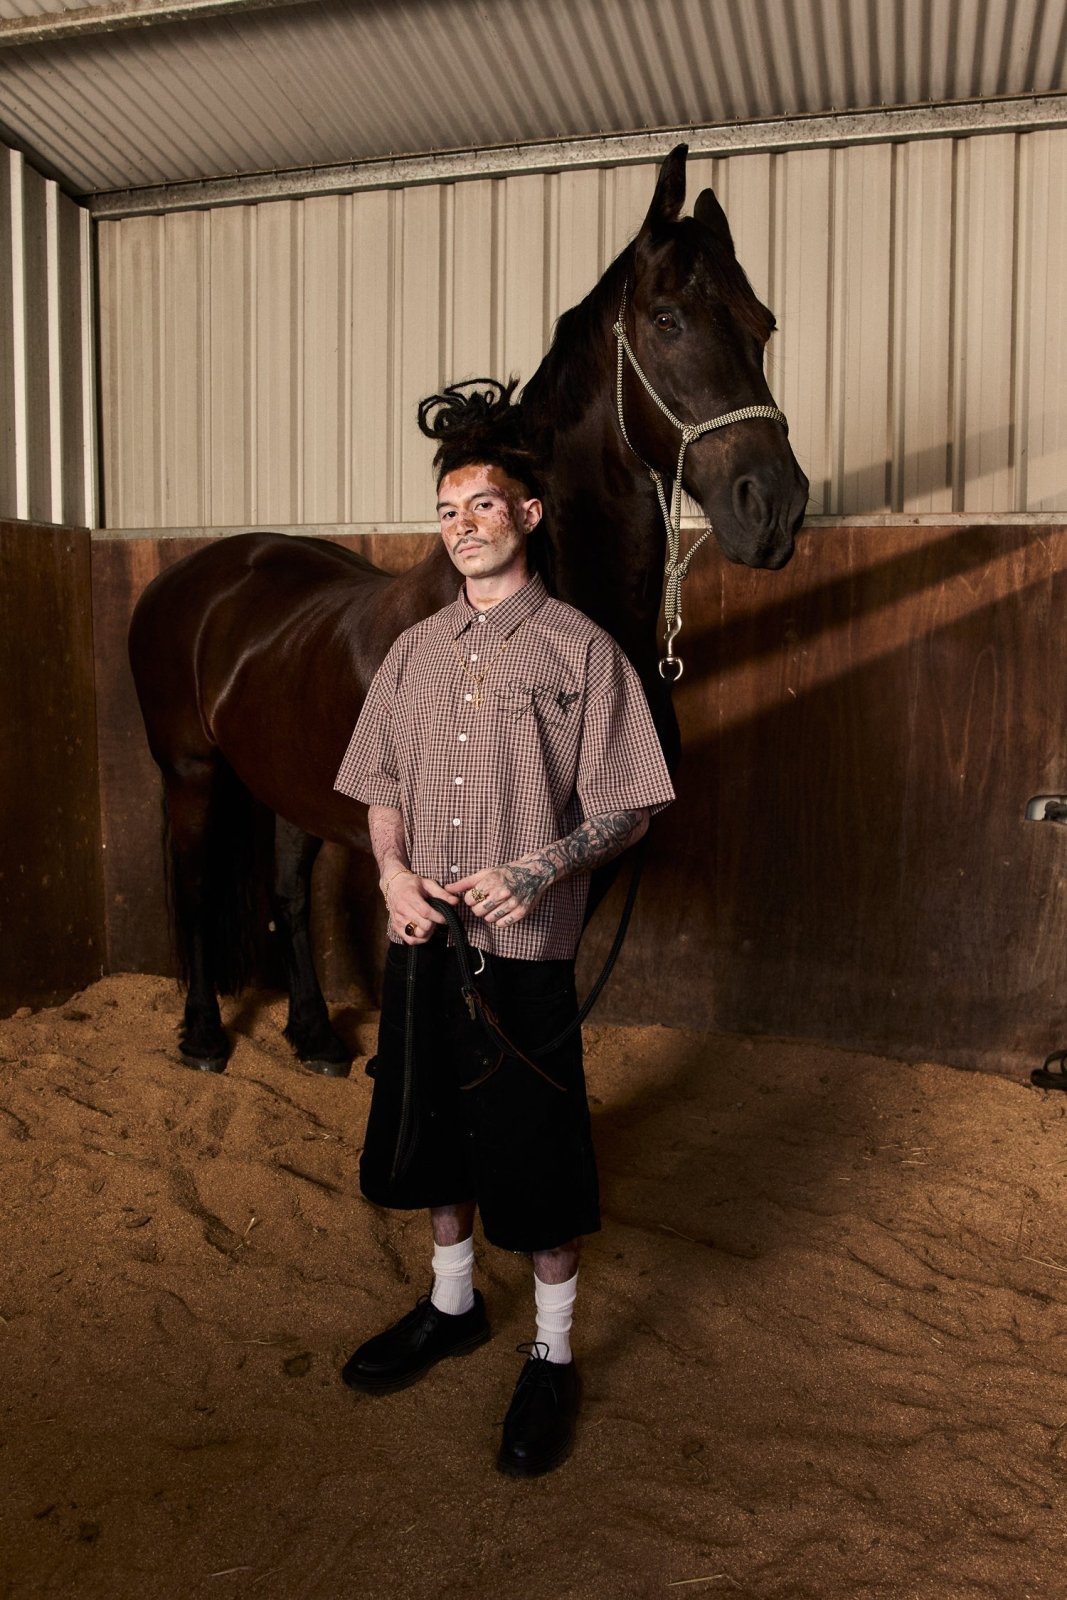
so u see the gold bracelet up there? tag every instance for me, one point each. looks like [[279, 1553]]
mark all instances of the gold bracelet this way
[[385, 888]]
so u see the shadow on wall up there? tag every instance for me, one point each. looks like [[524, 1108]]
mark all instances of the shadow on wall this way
[[848, 859], [947, 472]]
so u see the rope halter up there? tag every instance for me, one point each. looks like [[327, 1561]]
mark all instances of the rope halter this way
[[671, 666]]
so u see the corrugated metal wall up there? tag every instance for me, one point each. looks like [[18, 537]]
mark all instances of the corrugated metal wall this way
[[47, 450], [262, 364]]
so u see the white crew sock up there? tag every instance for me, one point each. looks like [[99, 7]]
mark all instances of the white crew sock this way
[[555, 1313], [453, 1277]]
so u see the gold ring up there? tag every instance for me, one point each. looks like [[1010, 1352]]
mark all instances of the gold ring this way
[[411, 929], [478, 895]]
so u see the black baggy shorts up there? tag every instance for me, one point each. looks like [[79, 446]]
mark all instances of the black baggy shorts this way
[[469, 1123]]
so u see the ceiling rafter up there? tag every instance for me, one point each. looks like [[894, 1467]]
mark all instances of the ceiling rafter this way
[[84, 21]]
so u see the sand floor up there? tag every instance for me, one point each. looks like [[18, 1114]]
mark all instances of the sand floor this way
[[823, 1332]]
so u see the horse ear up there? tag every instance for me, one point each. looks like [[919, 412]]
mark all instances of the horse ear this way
[[669, 197], [708, 211]]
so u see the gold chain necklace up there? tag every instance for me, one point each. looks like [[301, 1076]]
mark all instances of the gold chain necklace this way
[[478, 678]]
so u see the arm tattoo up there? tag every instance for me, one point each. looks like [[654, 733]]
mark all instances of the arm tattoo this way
[[386, 828], [594, 842]]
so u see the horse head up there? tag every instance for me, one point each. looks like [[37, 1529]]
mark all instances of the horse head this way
[[696, 335]]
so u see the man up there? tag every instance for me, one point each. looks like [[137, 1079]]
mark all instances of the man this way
[[505, 749]]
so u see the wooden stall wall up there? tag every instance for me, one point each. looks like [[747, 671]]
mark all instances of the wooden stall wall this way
[[51, 892], [866, 729], [848, 858]]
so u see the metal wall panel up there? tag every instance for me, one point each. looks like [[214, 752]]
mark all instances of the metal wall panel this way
[[278, 340], [263, 363], [800, 353], [985, 300], [12, 363], [419, 339], [40, 332], [184, 319], [228, 402], [922, 349], [47, 468], [1042, 324], [370, 443]]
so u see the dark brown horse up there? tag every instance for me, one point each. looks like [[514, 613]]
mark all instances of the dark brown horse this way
[[252, 657]]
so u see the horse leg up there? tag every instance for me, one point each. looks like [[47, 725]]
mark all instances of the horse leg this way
[[202, 1041], [308, 1028]]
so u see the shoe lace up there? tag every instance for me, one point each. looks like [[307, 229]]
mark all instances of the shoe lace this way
[[538, 1371]]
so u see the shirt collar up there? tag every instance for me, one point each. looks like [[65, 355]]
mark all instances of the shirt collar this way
[[505, 617]]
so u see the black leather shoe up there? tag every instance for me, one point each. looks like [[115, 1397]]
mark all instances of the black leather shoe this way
[[395, 1358], [539, 1426]]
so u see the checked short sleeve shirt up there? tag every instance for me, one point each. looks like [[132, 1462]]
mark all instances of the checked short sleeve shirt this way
[[483, 773]]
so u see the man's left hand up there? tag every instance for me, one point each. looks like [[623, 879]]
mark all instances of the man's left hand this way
[[506, 894]]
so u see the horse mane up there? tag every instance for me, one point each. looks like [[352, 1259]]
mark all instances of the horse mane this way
[[579, 355]]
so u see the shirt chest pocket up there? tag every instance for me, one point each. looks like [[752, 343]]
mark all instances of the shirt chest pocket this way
[[549, 703]]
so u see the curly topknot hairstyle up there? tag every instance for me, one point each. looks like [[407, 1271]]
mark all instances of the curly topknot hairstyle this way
[[475, 423]]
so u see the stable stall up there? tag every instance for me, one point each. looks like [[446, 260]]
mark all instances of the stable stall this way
[[232, 261]]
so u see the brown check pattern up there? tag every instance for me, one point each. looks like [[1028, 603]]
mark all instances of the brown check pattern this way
[[483, 774]]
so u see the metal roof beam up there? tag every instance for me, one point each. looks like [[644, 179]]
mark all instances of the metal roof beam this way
[[958, 120], [114, 15]]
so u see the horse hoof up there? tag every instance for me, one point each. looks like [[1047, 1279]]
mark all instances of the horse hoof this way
[[328, 1069], [203, 1063]]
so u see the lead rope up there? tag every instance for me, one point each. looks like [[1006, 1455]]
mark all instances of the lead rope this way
[[671, 666], [482, 1013], [477, 1007]]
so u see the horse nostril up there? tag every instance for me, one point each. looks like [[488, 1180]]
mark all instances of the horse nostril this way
[[750, 508]]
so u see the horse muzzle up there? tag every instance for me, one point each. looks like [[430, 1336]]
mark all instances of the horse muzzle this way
[[757, 519]]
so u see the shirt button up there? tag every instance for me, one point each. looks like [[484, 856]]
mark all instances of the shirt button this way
[[481, 616], [463, 738], [474, 658], [455, 822], [468, 697], [459, 780], [454, 869]]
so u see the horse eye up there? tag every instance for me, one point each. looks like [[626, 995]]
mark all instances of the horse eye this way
[[665, 321]]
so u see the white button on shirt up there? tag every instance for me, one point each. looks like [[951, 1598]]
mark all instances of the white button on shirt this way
[[561, 733]]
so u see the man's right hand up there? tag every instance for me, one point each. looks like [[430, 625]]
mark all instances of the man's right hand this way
[[411, 916]]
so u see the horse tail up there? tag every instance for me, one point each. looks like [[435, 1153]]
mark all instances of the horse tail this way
[[213, 889]]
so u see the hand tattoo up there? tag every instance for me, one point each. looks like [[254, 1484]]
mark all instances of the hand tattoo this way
[[528, 880]]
